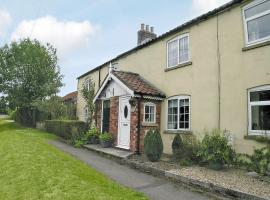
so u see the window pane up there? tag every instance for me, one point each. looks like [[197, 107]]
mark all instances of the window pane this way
[[258, 28], [146, 109], [260, 117], [152, 117], [182, 125], [152, 109], [181, 110], [186, 117], [147, 117], [172, 53], [257, 9], [260, 95], [183, 49]]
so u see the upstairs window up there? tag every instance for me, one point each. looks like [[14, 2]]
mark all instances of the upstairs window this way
[[259, 110], [178, 50], [257, 19], [149, 113], [178, 113]]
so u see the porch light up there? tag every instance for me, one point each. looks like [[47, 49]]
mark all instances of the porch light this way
[[132, 102]]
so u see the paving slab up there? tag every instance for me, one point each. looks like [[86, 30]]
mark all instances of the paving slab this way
[[155, 188], [119, 153]]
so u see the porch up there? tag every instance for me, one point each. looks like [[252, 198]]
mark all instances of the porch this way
[[127, 106]]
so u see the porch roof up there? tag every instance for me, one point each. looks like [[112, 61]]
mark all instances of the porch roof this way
[[138, 84], [134, 84]]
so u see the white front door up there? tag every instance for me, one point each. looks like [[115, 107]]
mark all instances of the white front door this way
[[124, 123]]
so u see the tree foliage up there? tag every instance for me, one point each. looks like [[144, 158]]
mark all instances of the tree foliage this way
[[28, 72], [88, 93], [3, 105], [56, 108]]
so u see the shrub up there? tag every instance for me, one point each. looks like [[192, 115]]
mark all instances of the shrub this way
[[12, 114], [177, 146], [92, 135], [259, 161], [106, 137], [153, 146], [79, 143], [67, 129], [215, 150], [185, 149]]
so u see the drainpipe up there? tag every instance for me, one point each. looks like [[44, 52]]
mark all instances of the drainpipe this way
[[138, 126], [219, 75]]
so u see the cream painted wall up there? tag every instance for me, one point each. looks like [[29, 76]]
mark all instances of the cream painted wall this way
[[240, 70], [95, 77]]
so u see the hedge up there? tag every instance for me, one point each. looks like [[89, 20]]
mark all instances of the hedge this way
[[65, 128]]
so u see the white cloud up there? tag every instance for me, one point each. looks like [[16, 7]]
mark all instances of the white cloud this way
[[66, 36], [203, 6], [5, 21]]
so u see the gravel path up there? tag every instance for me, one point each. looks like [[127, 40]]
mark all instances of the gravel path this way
[[233, 179]]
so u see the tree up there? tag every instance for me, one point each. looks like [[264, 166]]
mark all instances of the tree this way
[[3, 105], [29, 72], [88, 93]]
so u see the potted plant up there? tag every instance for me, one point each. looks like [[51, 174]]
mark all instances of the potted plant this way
[[93, 136], [106, 139]]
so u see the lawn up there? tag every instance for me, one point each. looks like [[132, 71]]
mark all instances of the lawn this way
[[30, 168]]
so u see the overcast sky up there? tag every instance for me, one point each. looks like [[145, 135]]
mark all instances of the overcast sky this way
[[88, 33]]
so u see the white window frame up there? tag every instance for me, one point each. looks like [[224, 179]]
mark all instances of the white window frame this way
[[246, 20], [150, 104], [256, 103], [189, 106], [86, 113], [178, 50]]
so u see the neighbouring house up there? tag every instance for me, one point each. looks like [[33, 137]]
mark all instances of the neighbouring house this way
[[71, 97], [210, 72]]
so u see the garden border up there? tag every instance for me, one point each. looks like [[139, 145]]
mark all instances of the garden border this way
[[200, 185]]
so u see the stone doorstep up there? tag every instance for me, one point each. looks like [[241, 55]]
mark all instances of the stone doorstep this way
[[226, 192], [114, 152]]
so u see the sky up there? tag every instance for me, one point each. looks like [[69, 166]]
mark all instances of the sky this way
[[87, 33]]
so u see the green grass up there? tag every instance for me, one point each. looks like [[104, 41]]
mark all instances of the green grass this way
[[30, 168]]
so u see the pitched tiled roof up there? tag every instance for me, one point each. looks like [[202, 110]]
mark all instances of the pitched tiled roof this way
[[138, 84], [70, 96]]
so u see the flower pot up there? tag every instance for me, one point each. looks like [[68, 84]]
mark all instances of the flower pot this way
[[215, 166], [94, 140], [106, 144]]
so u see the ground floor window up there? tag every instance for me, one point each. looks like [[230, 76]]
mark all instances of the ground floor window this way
[[178, 113], [259, 110], [105, 115], [86, 114], [150, 113]]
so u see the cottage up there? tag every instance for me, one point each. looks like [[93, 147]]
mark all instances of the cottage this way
[[211, 72]]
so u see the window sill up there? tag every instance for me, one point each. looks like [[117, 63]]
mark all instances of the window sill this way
[[177, 131], [149, 124], [258, 138], [178, 66], [254, 46]]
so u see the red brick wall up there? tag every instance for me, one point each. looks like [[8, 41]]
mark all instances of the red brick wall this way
[[144, 126], [114, 112]]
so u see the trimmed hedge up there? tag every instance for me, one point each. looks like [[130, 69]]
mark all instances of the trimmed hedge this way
[[65, 128]]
